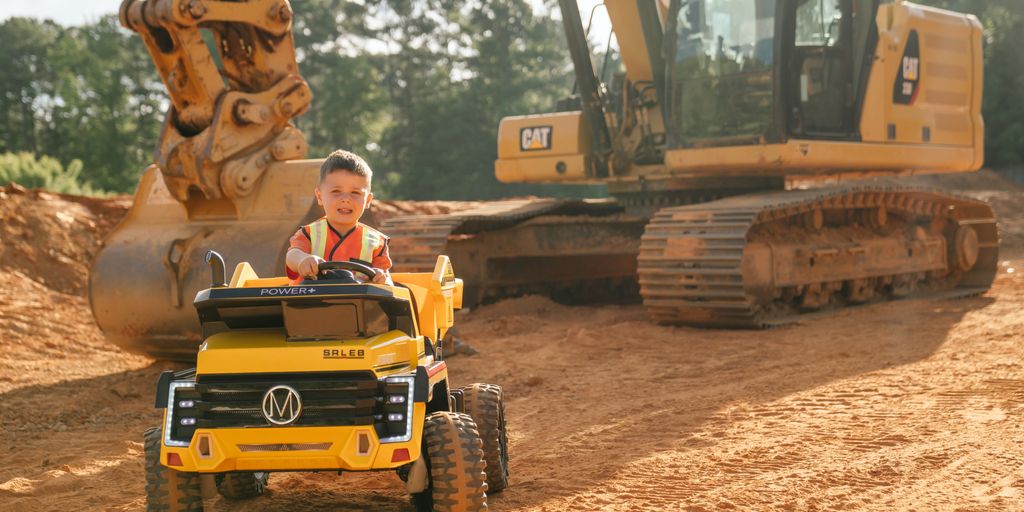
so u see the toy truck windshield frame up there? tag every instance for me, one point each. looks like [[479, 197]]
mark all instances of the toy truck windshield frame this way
[[306, 313]]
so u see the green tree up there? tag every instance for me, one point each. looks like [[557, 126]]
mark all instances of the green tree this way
[[111, 106], [45, 172], [26, 85], [456, 73], [335, 47], [88, 93]]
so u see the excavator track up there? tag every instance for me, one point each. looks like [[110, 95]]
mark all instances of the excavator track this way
[[416, 240], [760, 260], [577, 250]]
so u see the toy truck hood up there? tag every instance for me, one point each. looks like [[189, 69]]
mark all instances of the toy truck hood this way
[[267, 351]]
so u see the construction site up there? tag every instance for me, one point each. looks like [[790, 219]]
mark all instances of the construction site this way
[[800, 289], [913, 404]]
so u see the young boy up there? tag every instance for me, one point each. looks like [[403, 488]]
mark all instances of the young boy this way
[[344, 194]]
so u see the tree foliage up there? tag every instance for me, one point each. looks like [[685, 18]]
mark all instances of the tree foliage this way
[[45, 172], [87, 93], [416, 86]]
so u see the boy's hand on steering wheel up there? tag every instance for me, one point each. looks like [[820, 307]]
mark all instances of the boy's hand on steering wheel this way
[[309, 266], [379, 276]]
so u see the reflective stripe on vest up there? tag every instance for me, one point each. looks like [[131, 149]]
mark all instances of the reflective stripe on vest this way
[[318, 238], [371, 242]]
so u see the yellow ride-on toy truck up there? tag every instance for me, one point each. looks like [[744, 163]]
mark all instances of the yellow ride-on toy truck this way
[[333, 374]]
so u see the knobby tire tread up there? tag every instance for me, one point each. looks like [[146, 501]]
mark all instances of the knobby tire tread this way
[[168, 490], [483, 402]]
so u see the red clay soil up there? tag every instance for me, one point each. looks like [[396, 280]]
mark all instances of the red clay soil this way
[[914, 404]]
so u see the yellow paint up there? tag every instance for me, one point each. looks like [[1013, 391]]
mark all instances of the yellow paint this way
[[568, 135], [949, 100], [798, 157], [437, 294], [243, 274], [625, 18], [794, 158], [266, 351], [343, 453]]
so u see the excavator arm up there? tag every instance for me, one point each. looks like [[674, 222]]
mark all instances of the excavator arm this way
[[233, 94]]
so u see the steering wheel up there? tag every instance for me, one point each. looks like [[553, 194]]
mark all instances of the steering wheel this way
[[323, 270]]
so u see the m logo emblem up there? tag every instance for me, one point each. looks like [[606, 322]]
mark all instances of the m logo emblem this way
[[535, 138], [281, 405]]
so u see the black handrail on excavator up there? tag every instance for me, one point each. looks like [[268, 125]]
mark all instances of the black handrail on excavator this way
[[589, 86]]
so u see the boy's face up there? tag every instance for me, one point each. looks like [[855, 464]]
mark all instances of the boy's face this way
[[344, 196]]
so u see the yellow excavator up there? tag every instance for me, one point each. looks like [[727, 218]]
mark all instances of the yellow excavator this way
[[724, 105], [714, 144]]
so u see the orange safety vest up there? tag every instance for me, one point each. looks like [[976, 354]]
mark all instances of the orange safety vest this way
[[370, 240]]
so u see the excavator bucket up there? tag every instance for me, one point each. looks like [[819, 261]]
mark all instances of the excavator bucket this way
[[143, 282]]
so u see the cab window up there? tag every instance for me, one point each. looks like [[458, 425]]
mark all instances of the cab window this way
[[722, 74]]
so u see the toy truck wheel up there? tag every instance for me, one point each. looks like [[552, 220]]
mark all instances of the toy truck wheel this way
[[484, 403], [455, 459], [168, 490], [240, 486]]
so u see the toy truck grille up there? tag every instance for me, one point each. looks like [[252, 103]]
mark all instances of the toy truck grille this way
[[327, 399]]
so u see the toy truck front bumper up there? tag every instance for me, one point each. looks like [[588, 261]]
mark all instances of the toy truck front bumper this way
[[350, 448]]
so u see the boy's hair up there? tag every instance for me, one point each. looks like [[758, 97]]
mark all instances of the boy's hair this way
[[341, 160]]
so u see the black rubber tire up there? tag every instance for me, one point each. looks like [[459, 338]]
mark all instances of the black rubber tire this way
[[168, 490], [484, 403], [241, 486], [455, 462]]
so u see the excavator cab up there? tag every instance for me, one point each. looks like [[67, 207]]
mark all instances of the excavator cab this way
[[728, 55]]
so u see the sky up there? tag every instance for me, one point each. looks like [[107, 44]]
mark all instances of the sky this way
[[65, 12], [77, 12]]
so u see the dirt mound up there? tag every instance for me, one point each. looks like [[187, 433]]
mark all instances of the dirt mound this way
[[383, 210], [48, 242], [52, 238], [876, 408]]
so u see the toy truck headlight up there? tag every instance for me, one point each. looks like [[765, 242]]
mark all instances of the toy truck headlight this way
[[180, 423], [394, 420]]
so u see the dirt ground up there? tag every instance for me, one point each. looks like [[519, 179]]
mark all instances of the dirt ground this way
[[915, 404]]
